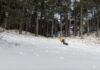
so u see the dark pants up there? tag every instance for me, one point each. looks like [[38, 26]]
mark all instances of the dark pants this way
[[63, 41]]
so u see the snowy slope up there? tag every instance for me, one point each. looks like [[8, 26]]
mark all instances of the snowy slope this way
[[27, 52]]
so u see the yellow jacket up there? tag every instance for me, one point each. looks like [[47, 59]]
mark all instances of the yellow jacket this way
[[61, 39]]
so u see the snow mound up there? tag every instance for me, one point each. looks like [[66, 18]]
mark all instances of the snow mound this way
[[28, 52]]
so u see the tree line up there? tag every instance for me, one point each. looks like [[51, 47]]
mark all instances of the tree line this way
[[51, 17]]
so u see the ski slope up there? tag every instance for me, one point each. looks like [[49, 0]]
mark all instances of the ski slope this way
[[27, 52]]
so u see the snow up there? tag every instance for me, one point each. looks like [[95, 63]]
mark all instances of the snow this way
[[27, 52]]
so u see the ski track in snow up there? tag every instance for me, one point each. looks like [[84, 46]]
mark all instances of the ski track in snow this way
[[27, 52]]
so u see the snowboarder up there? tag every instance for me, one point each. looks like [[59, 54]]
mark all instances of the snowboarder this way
[[63, 41]]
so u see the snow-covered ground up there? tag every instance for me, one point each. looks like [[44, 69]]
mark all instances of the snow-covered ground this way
[[27, 52]]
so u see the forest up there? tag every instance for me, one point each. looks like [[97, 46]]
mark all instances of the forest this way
[[51, 18]]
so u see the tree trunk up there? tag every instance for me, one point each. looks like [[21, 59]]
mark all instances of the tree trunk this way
[[88, 27], [66, 28], [75, 23], [52, 28], [47, 30], [37, 26], [55, 29], [61, 31], [20, 28], [81, 22], [5, 24], [97, 32], [75, 27], [26, 28], [22, 21]]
